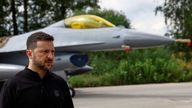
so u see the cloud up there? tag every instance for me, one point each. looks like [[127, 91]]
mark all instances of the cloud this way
[[140, 12]]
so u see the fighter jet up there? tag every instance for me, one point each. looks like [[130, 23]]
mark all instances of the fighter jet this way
[[74, 36]]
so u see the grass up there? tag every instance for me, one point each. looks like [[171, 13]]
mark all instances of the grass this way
[[138, 67]]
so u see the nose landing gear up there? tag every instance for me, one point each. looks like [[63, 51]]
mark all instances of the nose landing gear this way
[[72, 91]]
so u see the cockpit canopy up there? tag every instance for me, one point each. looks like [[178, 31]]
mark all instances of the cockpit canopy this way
[[87, 21]]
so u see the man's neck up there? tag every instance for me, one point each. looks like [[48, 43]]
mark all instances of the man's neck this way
[[40, 72]]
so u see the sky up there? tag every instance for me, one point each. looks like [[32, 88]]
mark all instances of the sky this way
[[141, 13]]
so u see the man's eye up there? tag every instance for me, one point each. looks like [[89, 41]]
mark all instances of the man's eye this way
[[46, 51]]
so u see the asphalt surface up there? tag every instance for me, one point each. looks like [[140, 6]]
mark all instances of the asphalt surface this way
[[171, 95]]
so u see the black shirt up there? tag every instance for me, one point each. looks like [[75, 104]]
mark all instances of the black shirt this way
[[28, 90]]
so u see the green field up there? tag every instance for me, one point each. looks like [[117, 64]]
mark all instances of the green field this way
[[157, 65]]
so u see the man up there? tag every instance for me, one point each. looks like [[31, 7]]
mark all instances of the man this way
[[36, 86]]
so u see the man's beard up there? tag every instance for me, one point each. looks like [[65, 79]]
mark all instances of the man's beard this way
[[41, 65]]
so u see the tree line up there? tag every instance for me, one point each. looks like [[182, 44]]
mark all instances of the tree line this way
[[178, 15], [20, 16]]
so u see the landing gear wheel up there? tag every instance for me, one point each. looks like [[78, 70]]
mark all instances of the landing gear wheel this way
[[1, 85], [72, 91]]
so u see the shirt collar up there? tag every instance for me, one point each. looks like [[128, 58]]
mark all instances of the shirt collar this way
[[34, 75]]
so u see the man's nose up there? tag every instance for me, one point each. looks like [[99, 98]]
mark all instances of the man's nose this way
[[51, 55]]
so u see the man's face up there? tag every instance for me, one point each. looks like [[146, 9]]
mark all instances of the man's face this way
[[43, 55]]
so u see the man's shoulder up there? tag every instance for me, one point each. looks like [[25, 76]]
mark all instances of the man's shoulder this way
[[13, 80], [19, 75], [56, 77]]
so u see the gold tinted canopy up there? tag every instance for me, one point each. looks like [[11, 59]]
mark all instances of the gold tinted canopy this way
[[86, 21]]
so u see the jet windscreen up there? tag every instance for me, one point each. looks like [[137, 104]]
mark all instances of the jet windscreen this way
[[87, 21]]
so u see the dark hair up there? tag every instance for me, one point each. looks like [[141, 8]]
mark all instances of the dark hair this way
[[38, 36]]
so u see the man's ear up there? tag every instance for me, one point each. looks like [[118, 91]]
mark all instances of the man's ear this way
[[29, 53]]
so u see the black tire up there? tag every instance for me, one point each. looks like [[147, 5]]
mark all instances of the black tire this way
[[1, 85], [72, 91]]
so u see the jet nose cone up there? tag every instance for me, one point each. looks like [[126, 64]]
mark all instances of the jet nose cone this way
[[142, 40]]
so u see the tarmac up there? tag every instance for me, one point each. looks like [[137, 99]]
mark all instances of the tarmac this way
[[169, 95]]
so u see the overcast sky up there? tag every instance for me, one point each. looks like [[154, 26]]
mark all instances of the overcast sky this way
[[141, 13]]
